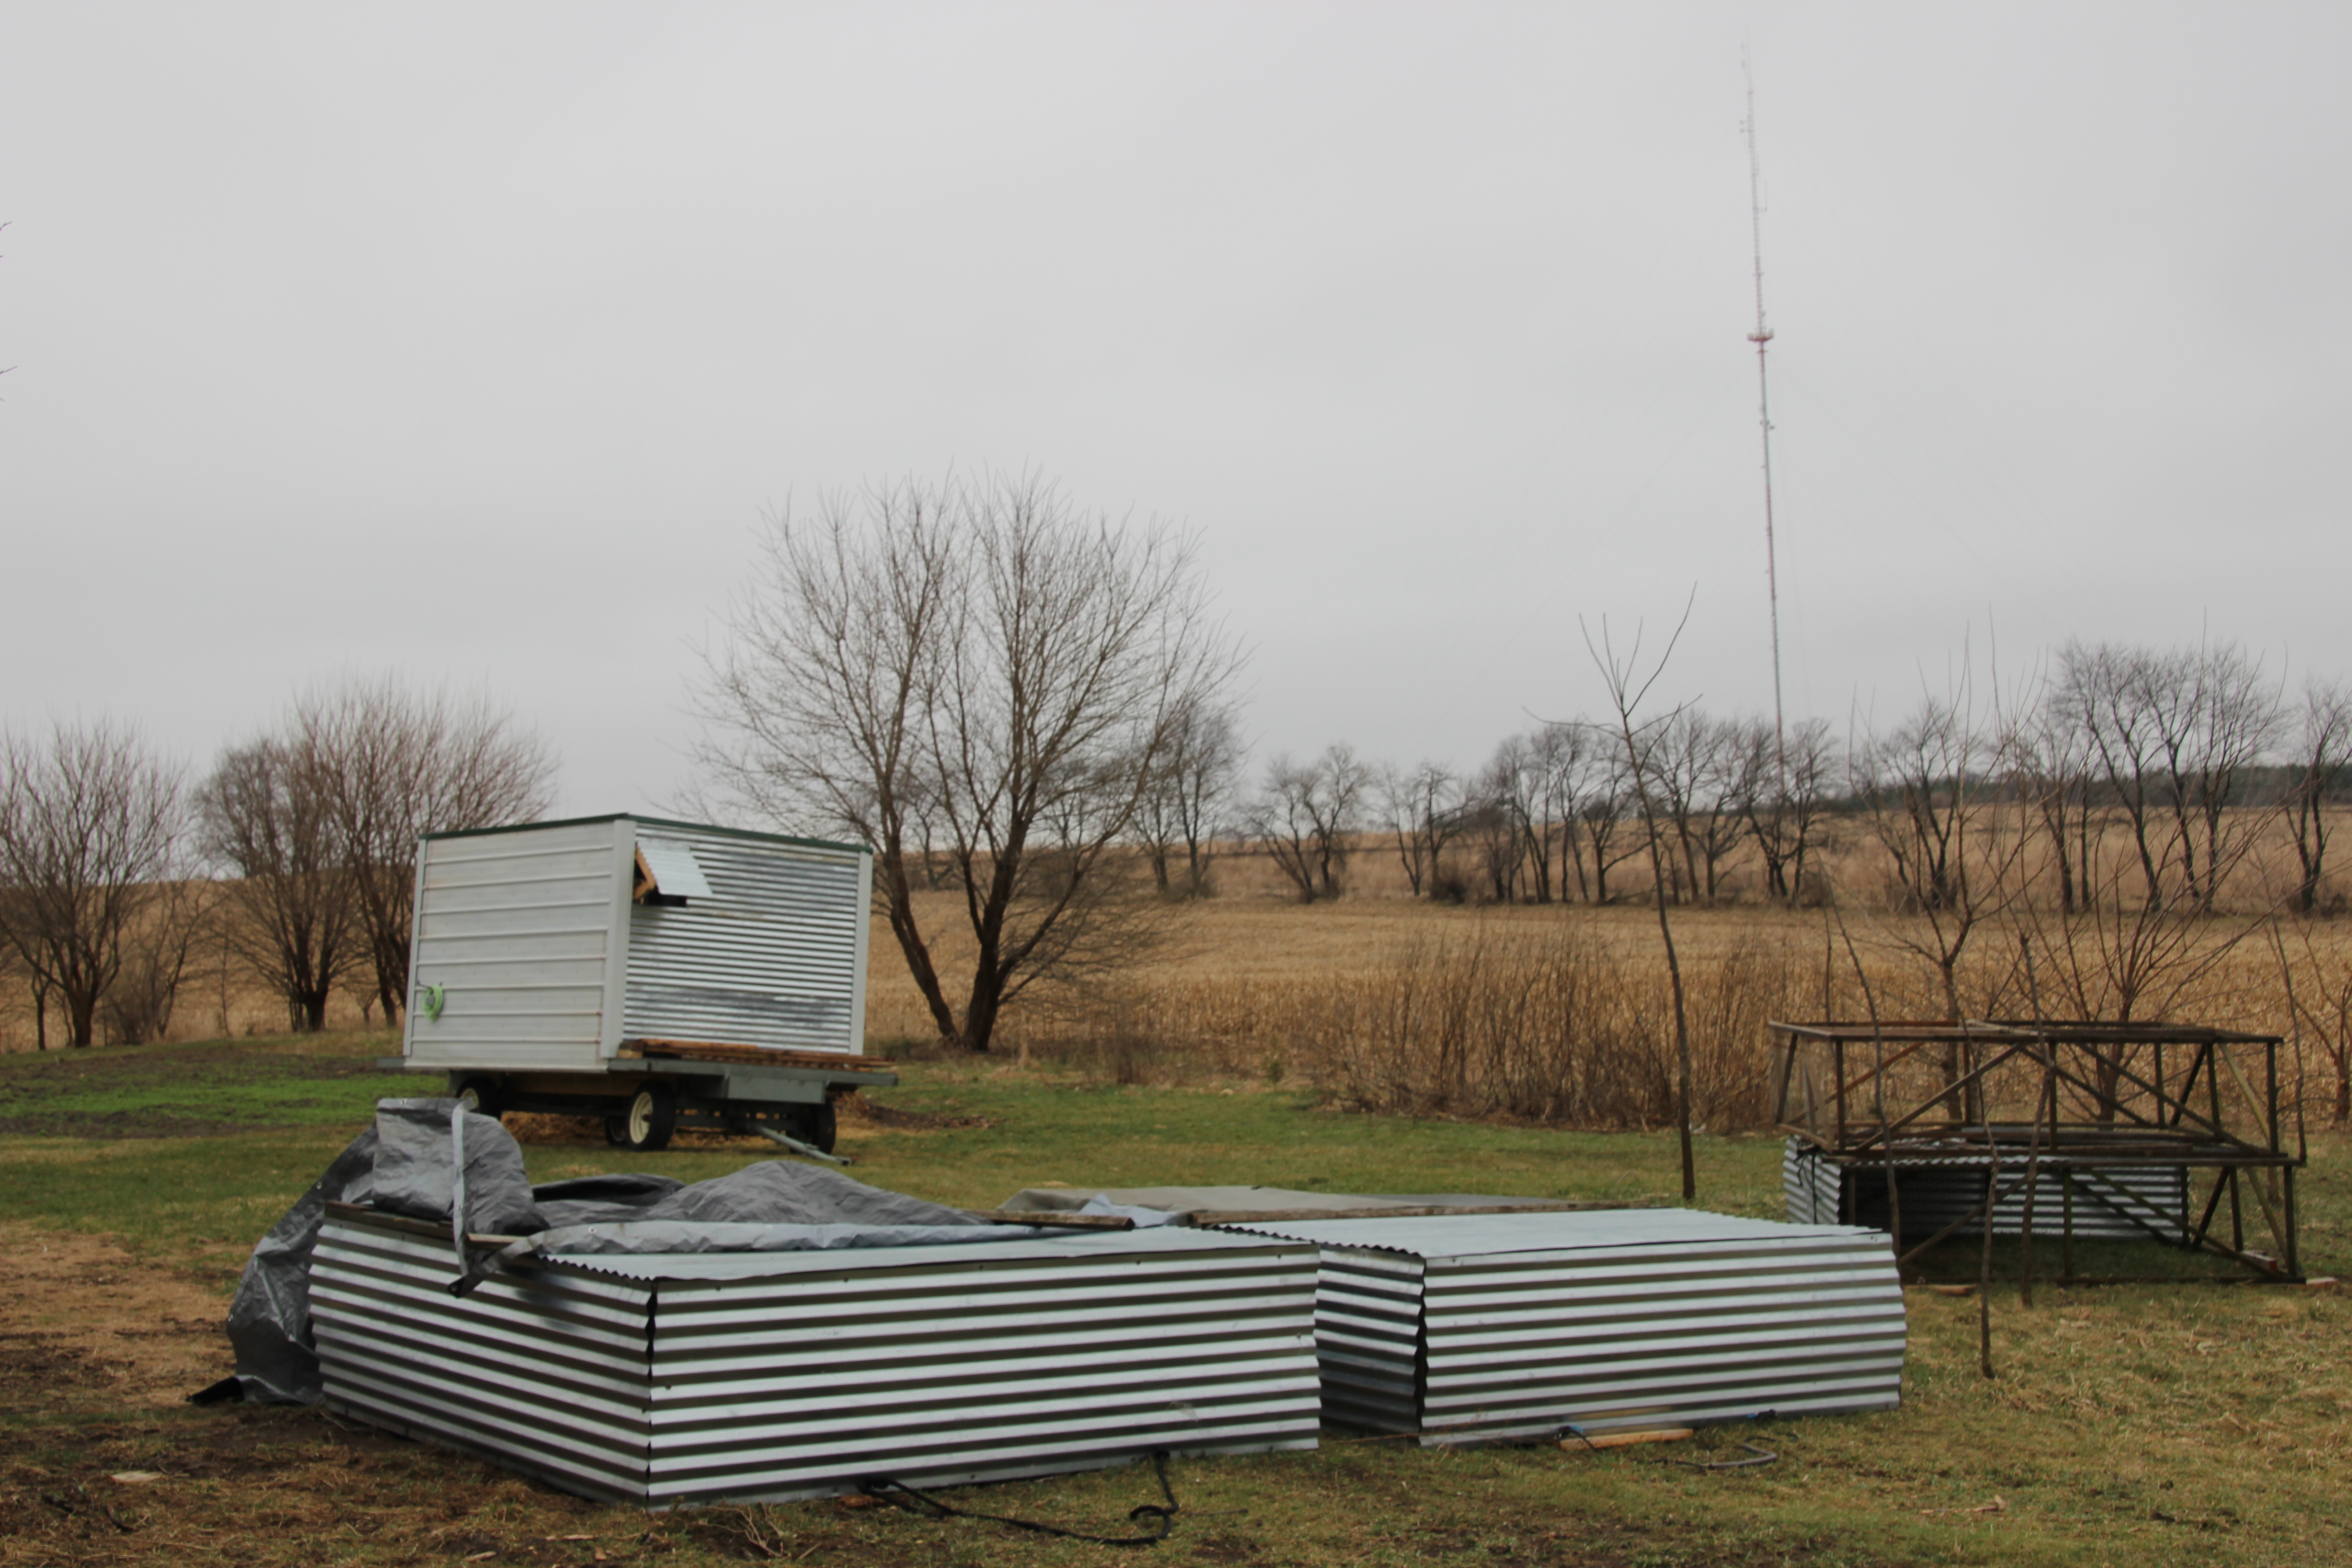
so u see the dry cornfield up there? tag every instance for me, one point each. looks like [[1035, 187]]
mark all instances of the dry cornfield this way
[[1562, 1015]]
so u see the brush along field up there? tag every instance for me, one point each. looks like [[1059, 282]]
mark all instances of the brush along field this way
[[1562, 1015], [2127, 1425]]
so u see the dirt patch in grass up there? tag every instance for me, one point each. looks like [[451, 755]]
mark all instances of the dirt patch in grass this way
[[84, 1322]]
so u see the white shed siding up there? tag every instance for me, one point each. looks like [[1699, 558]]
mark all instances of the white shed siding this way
[[519, 930], [775, 956]]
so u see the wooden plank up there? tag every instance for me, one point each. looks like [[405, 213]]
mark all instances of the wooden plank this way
[[1212, 1217], [1058, 1219], [751, 1056], [1602, 1440]]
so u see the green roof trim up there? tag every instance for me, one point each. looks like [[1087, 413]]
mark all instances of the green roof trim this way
[[655, 822]]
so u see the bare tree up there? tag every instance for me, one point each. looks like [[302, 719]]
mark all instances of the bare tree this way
[[1184, 807], [985, 646], [2173, 734], [396, 765], [1780, 786], [2325, 1001], [1611, 803], [1306, 814], [1422, 809], [93, 826], [2231, 719], [2169, 738], [267, 816], [1932, 791], [1627, 689], [2104, 693], [1696, 765], [2049, 754], [1506, 801], [1564, 757], [2323, 753], [157, 953]]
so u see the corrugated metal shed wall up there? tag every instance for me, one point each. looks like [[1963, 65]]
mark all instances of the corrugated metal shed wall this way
[[1525, 1323], [1933, 1197], [786, 1375], [775, 956], [519, 929]]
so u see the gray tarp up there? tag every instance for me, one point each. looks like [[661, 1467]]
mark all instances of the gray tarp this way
[[415, 1170], [406, 1164], [270, 1321]]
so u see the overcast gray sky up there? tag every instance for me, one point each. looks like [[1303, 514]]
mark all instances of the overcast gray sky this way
[[473, 340]]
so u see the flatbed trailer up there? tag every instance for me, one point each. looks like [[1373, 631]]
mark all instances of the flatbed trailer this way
[[645, 1099], [658, 975]]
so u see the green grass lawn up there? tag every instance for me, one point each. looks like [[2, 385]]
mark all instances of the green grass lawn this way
[[2128, 1424]]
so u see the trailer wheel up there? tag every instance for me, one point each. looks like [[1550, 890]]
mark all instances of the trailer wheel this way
[[651, 1117], [481, 1096], [812, 1124], [616, 1131]]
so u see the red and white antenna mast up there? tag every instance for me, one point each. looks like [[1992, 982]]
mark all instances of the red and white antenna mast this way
[[1761, 337]]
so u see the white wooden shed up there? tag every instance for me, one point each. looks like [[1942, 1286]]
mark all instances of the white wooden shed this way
[[564, 946]]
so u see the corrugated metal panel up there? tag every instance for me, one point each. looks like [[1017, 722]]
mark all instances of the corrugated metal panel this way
[[1630, 1319], [544, 1370], [961, 1371], [770, 958], [784, 1376], [1672, 1334], [1933, 1195], [517, 929], [1368, 1338], [1801, 1185]]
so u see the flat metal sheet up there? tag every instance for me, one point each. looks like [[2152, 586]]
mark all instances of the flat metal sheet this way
[[1471, 1235], [1244, 1199], [676, 871], [1154, 1241]]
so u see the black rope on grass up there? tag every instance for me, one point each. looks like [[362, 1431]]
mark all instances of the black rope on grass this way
[[897, 1493]]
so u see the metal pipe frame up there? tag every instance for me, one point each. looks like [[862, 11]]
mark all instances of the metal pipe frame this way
[[2098, 1109]]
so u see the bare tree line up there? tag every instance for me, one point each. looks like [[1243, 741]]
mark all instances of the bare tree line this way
[[294, 855], [2180, 760], [1555, 813]]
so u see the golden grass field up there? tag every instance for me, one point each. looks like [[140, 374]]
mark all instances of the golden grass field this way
[[1375, 1000]]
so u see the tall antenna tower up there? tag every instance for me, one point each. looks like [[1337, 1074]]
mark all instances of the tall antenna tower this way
[[1762, 337]]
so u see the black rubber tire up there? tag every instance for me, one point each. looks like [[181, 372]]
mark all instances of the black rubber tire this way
[[482, 1096], [650, 1118], [616, 1131], [812, 1124]]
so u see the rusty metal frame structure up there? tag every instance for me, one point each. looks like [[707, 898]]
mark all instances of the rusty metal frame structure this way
[[2031, 1101]]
